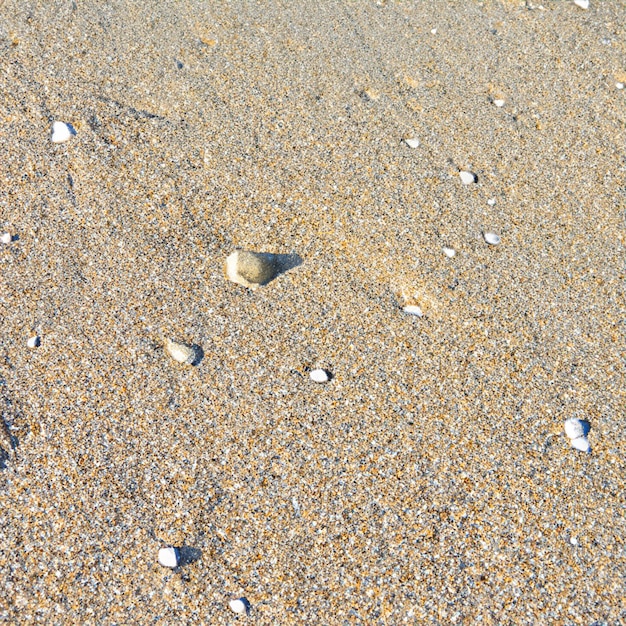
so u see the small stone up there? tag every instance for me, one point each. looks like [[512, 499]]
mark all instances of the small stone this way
[[181, 352], [6, 238], [449, 252], [319, 375], [491, 201], [169, 557], [239, 606], [467, 178], [251, 269], [61, 132], [492, 239], [574, 428], [619, 85], [499, 102], [33, 342], [581, 443], [413, 309], [412, 143], [434, 31], [583, 4], [573, 541]]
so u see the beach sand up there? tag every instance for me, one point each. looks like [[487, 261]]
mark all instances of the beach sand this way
[[430, 481]]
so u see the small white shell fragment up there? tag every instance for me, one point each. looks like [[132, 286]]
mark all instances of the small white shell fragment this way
[[6, 238], [239, 606], [169, 557], [574, 428], [467, 178], [581, 443], [319, 375], [583, 4], [61, 132], [33, 342], [413, 309], [491, 201], [619, 85], [492, 239], [180, 352], [434, 31], [573, 541], [251, 269], [449, 252], [412, 143], [499, 102]]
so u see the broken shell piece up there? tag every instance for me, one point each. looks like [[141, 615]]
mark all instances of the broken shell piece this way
[[449, 252], [169, 557], [499, 102], [412, 143], [251, 269], [33, 342], [61, 132], [467, 178], [6, 238], [574, 428], [319, 375], [583, 4], [492, 239], [181, 352], [413, 309], [581, 443], [239, 606]]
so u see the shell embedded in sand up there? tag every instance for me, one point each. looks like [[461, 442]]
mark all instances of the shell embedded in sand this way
[[251, 269], [493, 239], [169, 557], [239, 606], [319, 375], [61, 132], [467, 178], [180, 352], [574, 428], [581, 443]]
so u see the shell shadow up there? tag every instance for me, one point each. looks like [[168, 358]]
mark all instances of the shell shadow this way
[[189, 554], [586, 427], [285, 262], [198, 355]]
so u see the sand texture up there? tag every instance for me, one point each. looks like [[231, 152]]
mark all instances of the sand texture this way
[[430, 480]]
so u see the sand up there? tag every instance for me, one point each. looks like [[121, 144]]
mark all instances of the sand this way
[[430, 481]]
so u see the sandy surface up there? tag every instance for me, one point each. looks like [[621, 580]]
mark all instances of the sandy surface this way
[[430, 481]]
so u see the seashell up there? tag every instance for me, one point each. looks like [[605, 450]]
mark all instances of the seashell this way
[[467, 178], [574, 428], [412, 143], [492, 239], [33, 342], [319, 375], [251, 269], [581, 443], [583, 4], [181, 352], [169, 557], [499, 102], [239, 606], [491, 201], [449, 252], [619, 85], [61, 132], [413, 309], [6, 238]]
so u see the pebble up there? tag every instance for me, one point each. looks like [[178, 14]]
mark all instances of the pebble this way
[[619, 85], [492, 239], [449, 252], [33, 342], [467, 178], [413, 309], [412, 143], [583, 4], [491, 201], [251, 269], [239, 606], [573, 541], [6, 238], [319, 375], [61, 132], [181, 352], [499, 103], [169, 557]]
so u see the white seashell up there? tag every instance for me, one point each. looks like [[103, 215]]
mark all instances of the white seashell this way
[[619, 85], [319, 375], [449, 252], [251, 269], [491, 201], [467, 178], [412, 143], [434, 31], [180, 352], [583, 4], [574, 428], [499, 102], [169, 557], [239, 606], [6, 238], [413, 309], [492, 238], [581, 443], [61, 132], [573, 541], [33, 342]]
